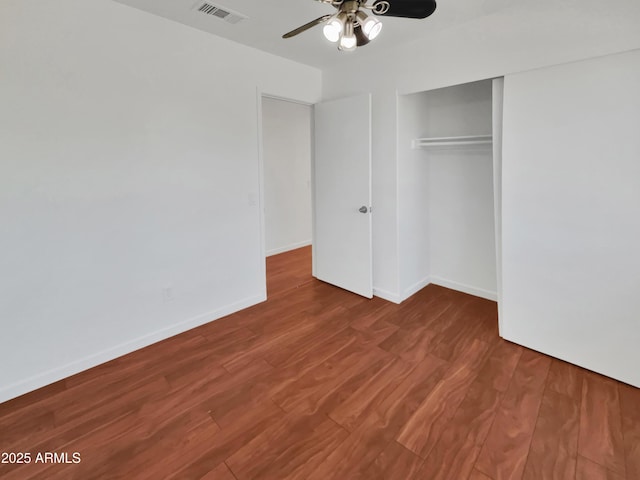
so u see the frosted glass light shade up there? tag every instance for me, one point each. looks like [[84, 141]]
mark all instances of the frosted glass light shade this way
[[332, 30], [348, 42], [371, 27], [331, 33]]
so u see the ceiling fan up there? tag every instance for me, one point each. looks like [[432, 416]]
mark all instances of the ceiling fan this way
[[350, 27]]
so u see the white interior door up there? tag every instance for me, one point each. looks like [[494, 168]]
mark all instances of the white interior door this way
[[342, 180]]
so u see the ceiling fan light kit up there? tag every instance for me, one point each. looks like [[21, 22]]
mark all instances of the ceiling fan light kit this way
[[347, 41], [370, 26], [350, 27], [333, 28]]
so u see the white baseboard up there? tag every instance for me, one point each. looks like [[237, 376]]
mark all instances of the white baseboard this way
[[293, 246], [461, 287], [386, 295], [397, 298], [415, 288], [77, 366]]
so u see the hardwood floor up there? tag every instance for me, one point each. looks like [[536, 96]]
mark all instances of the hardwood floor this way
[[317, 383]]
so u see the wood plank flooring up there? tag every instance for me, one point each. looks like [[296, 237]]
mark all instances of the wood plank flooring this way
[[317, 383]]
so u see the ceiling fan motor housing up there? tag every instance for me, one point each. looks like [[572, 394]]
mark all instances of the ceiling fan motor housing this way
[[351, 6]]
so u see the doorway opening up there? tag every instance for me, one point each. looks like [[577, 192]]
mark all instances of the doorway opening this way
[[287, 195]]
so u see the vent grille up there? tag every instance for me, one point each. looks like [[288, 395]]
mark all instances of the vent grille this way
[[222, 13]]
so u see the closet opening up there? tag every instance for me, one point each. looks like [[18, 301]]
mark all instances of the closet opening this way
[[446, 189]]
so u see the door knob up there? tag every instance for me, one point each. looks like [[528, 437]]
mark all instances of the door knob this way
[[363, 209]]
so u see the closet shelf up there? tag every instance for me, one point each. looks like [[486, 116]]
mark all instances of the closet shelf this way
[[452, 141]]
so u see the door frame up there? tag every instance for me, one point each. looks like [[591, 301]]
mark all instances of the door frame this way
[[260, 94]]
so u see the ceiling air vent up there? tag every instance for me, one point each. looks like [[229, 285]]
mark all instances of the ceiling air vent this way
[[220, 12]]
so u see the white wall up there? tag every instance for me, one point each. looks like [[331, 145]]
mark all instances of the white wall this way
[[514, 40], [571, 213], [129, 181], [414, 204], [497, 122], [463, 254], [286, 139]]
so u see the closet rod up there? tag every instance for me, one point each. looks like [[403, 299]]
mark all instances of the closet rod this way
[[452, 141]]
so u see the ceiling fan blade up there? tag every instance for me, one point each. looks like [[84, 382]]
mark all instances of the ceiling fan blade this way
[[407, 8], [307, 26]]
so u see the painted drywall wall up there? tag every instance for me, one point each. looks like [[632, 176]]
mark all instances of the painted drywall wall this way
[[414, 204], [384, 194], [445, 195], [514, 40], [286, 140], [129, 181], [571, 213], [463, 255], [497, 123]]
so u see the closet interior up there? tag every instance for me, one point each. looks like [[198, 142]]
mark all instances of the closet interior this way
[[446, 189]]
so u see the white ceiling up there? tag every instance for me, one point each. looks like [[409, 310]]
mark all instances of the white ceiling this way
[[269, 20]]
